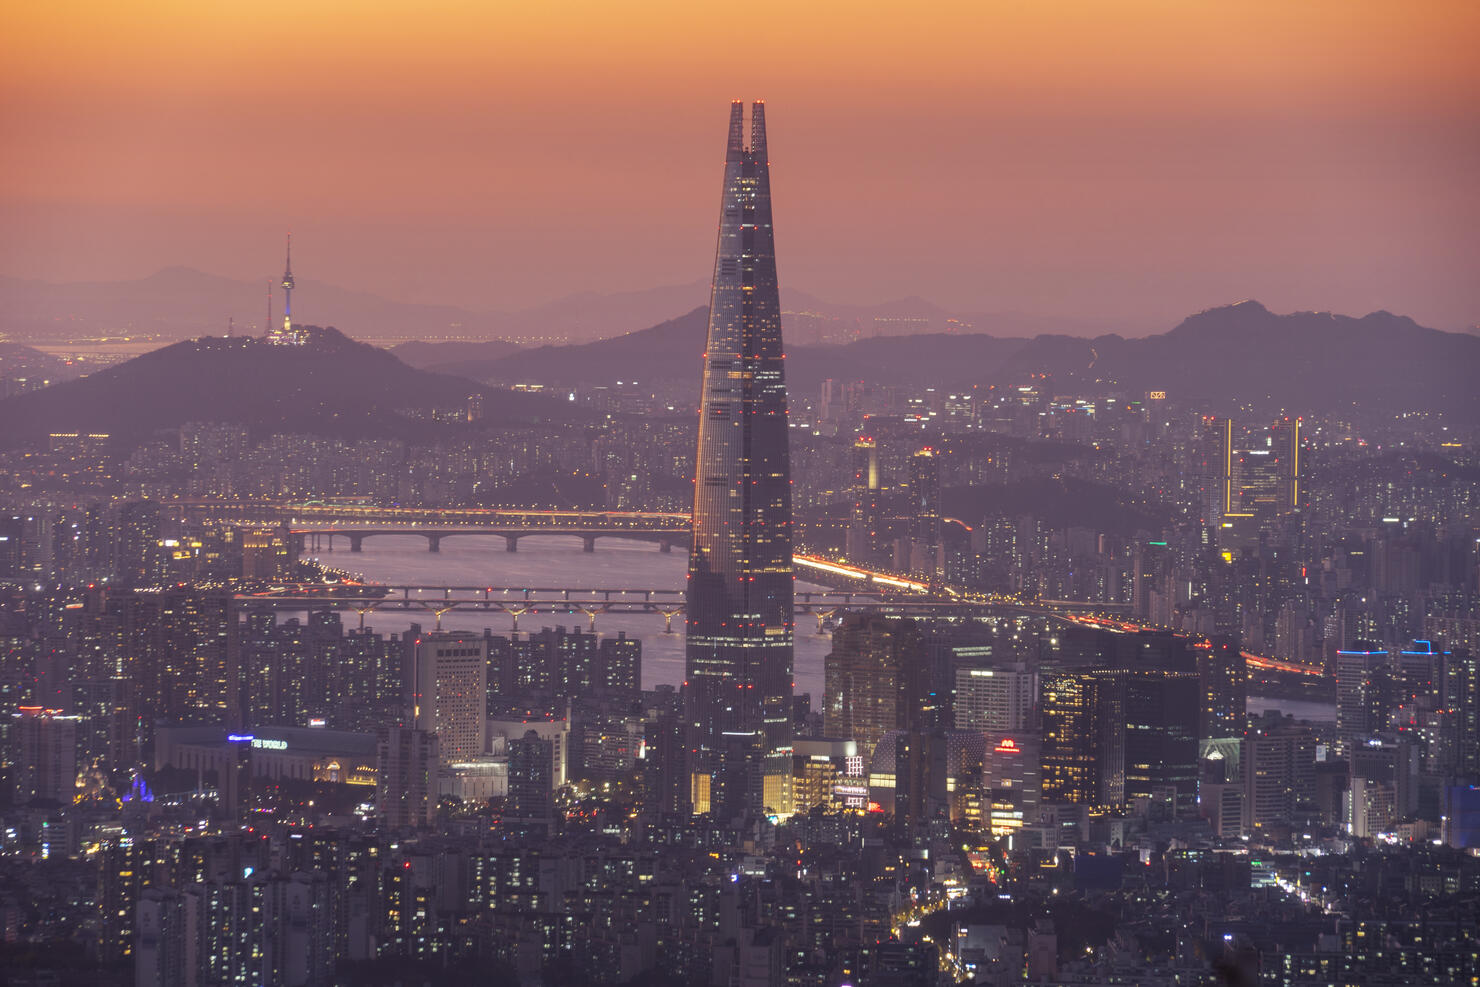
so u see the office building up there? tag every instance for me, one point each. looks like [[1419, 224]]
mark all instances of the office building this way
[[1083, 729], [452, 693], [995, 699], [876, 680]]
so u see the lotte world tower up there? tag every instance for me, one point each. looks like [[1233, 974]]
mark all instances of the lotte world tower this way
[[738, 653]]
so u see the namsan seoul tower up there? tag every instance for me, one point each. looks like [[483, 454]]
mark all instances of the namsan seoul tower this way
[[286, 336]]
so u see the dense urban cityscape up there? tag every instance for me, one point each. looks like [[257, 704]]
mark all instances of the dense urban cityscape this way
[[775, 644]]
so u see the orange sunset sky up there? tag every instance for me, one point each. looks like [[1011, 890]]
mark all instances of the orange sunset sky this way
[[1128, 161]]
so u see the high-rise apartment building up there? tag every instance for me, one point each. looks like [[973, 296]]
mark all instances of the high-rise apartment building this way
[[738, 661], [139, 559], [44, 742], [530, 803], [1356, 671], [406, 794]]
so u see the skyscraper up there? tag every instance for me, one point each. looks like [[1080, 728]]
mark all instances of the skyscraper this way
[[863, 528], [1083, 712], [738, 664], [925, 532]]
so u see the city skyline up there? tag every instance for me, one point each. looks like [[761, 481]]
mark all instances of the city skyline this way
[[380, 644], [1129, 163]]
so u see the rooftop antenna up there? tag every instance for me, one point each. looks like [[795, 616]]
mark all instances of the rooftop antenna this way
[[230, 322]]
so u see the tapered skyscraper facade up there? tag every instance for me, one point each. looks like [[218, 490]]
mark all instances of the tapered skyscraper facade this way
[[739, 647]]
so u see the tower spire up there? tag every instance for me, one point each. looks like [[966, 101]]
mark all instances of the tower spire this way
[[286, 335], [736, 149], [288, 287], [758, 130]]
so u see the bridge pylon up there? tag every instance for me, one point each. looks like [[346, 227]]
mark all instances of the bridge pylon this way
[[516, 613], [668, 616]]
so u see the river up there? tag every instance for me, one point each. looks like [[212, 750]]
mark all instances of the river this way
[[556, 560]]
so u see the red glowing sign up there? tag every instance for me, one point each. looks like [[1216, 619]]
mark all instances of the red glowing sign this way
[[1008, 746]]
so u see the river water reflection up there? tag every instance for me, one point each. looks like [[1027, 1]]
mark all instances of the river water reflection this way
[[554, 561]]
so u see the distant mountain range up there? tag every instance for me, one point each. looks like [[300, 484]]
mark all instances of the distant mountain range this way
[[1222, 357], [333, 385], [180, 302]]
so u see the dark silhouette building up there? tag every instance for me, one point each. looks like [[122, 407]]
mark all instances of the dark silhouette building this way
[[878, 681], [739, 599]]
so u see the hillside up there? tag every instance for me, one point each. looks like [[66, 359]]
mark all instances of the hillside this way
[[331, 386], [670, 351], [1222, 358], [453, 356]]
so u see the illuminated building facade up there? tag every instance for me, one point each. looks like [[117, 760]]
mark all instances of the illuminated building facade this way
[[1263, 481], [1211, 470], [1011, 781], [738, 665], [452, 693], [1083, 714]]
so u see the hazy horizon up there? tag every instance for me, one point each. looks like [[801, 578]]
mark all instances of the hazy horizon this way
[[1131, 162]]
